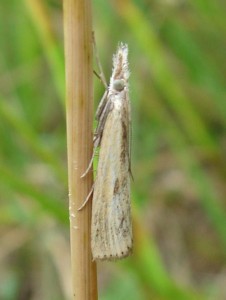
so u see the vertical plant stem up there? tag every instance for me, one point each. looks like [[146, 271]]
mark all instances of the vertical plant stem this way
[[79, 110]]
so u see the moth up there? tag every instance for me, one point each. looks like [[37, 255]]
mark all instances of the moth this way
[[111, 225]]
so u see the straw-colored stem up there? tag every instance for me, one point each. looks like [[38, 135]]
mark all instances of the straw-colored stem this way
[[79, 108]]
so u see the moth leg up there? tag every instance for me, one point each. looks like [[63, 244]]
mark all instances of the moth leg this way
[[97, 136], [87, 198], [90, 164], [102, 79], [101, 75], [131, 174]]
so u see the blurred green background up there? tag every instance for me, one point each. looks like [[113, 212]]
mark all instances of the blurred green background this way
[[178, 95]]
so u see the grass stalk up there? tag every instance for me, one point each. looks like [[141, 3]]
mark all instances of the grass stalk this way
[[79, 112]]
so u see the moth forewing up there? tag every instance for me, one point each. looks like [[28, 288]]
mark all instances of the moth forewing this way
[[111, 233]]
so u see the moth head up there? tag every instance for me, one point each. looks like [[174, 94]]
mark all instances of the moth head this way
[[118, 85]]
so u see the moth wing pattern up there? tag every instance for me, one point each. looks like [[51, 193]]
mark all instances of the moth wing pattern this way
[[111, 236]]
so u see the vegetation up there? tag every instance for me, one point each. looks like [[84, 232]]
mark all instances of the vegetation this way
[[178, 73]]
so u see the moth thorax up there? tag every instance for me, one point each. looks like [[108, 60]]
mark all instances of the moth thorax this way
[[119, 84]]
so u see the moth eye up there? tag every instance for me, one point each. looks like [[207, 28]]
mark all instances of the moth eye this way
[[119, 85]]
